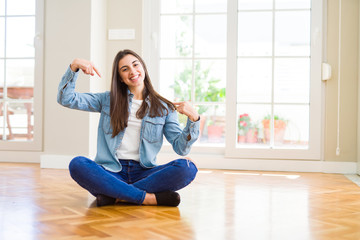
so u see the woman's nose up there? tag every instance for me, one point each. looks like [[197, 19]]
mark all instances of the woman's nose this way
[[132, 70]]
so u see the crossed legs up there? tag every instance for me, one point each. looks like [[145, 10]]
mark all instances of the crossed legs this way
[[134, 183]]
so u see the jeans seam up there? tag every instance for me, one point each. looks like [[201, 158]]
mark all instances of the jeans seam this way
[[128, 173], [142, 198]]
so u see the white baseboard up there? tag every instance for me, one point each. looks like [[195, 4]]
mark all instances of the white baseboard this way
[[220, 162]]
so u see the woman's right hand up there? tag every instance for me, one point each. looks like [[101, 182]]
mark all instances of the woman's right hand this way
[[86, 66]]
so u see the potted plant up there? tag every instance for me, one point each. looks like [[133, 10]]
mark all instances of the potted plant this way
[[247, 130], [279, 128], [243, 127]]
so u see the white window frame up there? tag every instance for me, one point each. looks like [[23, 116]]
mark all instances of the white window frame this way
[[36, 143], [151, 23], [314, 150]]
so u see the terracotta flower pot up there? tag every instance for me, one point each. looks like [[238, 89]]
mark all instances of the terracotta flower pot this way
[[252, 136], [241, 138], [279, 130], [214, 133]]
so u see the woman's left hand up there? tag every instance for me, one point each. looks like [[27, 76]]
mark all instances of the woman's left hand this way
[[188, 110]]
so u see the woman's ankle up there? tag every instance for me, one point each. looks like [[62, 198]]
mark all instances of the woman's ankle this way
[[150, 199]]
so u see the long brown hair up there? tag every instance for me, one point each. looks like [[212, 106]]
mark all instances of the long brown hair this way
[[119, 105]]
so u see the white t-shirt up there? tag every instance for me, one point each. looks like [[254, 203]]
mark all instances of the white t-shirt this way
[[129, 147]]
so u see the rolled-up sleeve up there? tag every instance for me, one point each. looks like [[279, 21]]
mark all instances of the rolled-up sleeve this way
[[67, 96], [181, 140]]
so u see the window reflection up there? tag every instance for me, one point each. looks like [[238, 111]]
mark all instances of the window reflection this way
[[270, 208]]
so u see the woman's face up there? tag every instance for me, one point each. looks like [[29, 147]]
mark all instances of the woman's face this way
[[132, 72]]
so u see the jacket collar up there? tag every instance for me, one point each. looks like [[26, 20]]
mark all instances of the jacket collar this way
[[131, 95]]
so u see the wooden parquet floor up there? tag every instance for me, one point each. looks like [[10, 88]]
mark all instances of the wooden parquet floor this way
[[37, 204]]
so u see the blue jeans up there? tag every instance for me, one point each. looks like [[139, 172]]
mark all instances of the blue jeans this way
[[133, 181]]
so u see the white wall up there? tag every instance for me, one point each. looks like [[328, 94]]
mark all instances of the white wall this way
[[67, 35], [349, 81], [128, 15], [88, 39]]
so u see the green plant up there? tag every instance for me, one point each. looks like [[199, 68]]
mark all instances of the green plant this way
[[206, 89], [244, 124], [276, 117], [279, 122]]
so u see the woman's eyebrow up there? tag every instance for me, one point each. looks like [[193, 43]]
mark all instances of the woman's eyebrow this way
[[131, 63]]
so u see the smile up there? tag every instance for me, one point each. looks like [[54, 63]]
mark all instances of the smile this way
[[134, 77]]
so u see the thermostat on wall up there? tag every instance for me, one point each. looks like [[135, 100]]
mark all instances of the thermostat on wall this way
[[121, 34], [326, 71]]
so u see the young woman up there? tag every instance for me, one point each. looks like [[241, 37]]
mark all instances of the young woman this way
[[133, 120]]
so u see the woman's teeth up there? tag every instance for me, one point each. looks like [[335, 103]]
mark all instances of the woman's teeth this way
[[134, 78]]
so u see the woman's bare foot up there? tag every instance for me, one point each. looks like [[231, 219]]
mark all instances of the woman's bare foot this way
[[150, 199]]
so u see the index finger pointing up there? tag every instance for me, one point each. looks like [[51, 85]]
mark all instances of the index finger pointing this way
[[97, 72], [177, 103]]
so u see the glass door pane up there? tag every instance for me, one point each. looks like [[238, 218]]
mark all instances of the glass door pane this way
[[255, 4], [2, 39], [254, 34], [292, 33], [20, 121], [212, 124], [210, 6], [20, 94], [210, 81], [175, 78], [254, 85], [178, 40], [20, 37], [176, 6], [21, 7], [17, 70], [291, 126], [192, 56], [210, 36], [291, 4], [250, 130], [273, 76], [292, 80], [2, 7]]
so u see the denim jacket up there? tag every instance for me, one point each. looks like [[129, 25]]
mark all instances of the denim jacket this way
[[152, 129]]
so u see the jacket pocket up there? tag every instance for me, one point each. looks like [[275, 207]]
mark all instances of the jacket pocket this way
[[153, 129], [105, 118]]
